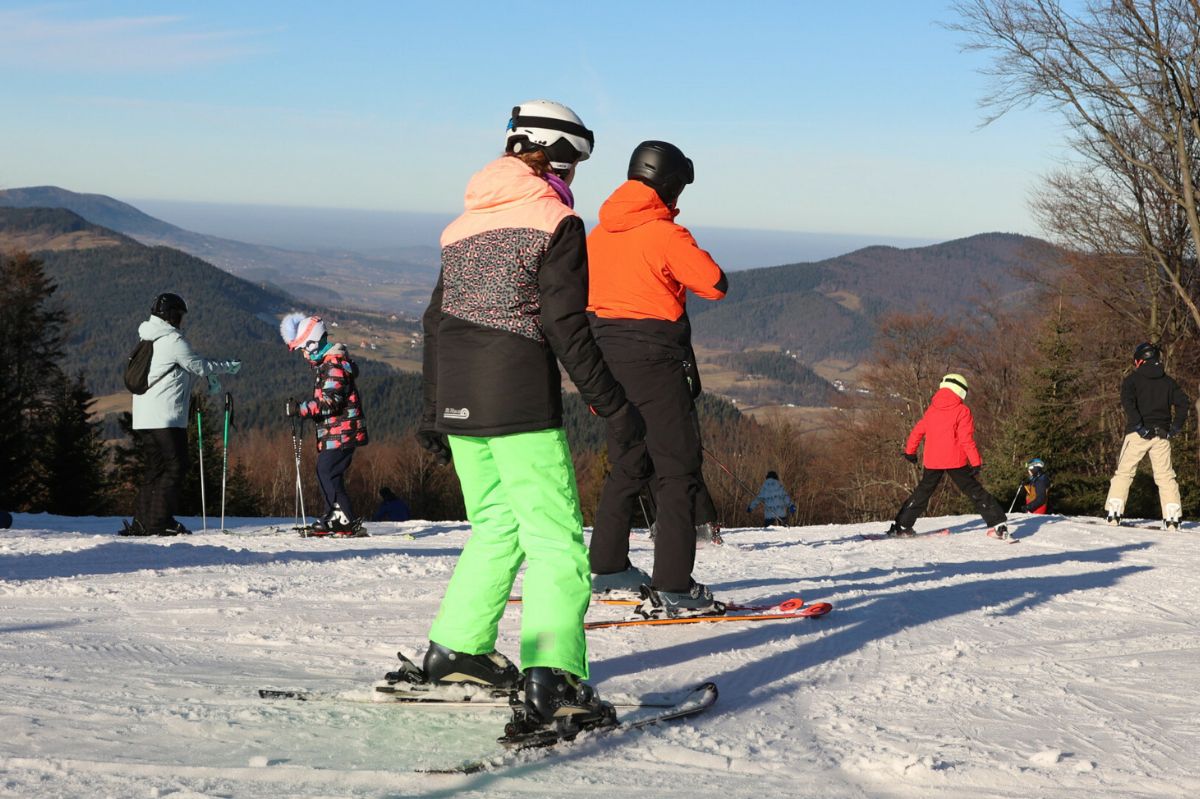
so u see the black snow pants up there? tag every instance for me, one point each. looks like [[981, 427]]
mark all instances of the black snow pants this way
[[166, 462], [704, 511], [985, 504], [331, 475], [670, 455]]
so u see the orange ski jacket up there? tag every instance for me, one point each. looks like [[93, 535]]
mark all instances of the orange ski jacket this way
[[641, 263]]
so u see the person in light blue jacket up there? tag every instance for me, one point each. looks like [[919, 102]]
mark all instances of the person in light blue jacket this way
[[776, 503], [160, 416]]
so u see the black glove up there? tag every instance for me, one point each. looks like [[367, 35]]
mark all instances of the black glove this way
[[1145, 432], [1174, 431], [437, 445], [975, 470], [910, 457], [626, 426]]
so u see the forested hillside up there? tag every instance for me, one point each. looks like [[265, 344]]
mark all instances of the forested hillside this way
[[33, 229], [832, 308]]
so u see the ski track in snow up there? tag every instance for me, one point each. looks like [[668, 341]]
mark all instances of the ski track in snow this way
[[951, 666]]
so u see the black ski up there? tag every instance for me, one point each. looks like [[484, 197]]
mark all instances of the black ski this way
[[697, 701], [436, 697]]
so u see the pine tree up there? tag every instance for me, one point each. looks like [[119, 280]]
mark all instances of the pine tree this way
[[31, 341], [1051, 426], [74, 457]]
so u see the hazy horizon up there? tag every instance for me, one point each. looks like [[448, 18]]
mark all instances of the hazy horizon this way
[[368, 231]]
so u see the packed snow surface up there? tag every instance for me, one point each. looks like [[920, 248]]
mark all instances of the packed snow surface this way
[[951, 666]]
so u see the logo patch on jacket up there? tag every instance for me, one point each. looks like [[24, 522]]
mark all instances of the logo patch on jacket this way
[[456, 413]]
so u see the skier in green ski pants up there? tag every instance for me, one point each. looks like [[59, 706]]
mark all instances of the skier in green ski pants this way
[[509, 305]]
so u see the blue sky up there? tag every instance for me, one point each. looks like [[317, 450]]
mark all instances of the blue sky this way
[[842, 117]]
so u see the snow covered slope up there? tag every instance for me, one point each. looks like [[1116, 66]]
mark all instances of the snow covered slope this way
[[952, 666]]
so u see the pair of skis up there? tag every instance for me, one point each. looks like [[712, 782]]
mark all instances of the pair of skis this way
[[793, 608], [1008, 539], [408, 686], [886, 537]]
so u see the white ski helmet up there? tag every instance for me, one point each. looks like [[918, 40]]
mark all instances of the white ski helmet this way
[[549, 126]]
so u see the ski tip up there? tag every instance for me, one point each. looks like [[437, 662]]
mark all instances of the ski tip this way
[[793, 604], [269, 693], [818, 609]]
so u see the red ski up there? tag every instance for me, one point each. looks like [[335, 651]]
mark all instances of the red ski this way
[[819, 609], [885, 536], [786, 606]]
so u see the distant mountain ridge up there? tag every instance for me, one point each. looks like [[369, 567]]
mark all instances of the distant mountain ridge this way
[[387, 282], [830, 309]]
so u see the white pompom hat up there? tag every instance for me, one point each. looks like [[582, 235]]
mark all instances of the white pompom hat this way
[[298, 329]]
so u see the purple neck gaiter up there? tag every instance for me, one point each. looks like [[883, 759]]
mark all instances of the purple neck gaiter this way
[[561, 189]]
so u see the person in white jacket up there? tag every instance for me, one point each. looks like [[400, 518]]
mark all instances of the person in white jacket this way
[[776, 503], [160, 416]]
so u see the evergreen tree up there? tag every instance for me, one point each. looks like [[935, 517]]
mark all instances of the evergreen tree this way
[[31, 339], [1051, 426], [74, 457], [128, 466]]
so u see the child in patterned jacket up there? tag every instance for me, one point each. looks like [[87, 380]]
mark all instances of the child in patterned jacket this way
[[336, 407]]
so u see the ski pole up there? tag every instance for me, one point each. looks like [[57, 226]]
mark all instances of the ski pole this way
[[200, 447], [725, 469], [225, 453], [1014, 502], [296, 444]]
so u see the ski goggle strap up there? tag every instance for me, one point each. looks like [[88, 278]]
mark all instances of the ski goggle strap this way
[[303, 334], [550, 123], [958, 383]]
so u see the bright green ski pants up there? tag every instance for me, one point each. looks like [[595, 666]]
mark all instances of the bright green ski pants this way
[[523, 505]]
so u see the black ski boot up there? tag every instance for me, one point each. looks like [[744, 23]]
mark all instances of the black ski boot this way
[[555, 705], [322, 526], [133, 528], [896, 531], [342, 525], [696, 601], [174, 527], [492, 669]]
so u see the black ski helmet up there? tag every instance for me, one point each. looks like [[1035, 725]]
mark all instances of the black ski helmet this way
[[663, 167], [170, 308], [1147, 352]]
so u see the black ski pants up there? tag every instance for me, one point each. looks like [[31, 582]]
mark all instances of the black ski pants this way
[[985, 504], [165, 463], [331, 475], [704, 511], [670, 455]]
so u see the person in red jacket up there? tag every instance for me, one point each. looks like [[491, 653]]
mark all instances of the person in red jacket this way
[[642, 264], [948, 429]]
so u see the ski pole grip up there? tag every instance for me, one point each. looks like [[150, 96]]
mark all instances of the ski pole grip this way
[[228, 401]]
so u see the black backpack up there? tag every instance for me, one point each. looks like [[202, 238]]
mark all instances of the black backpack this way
[[137, 369]]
